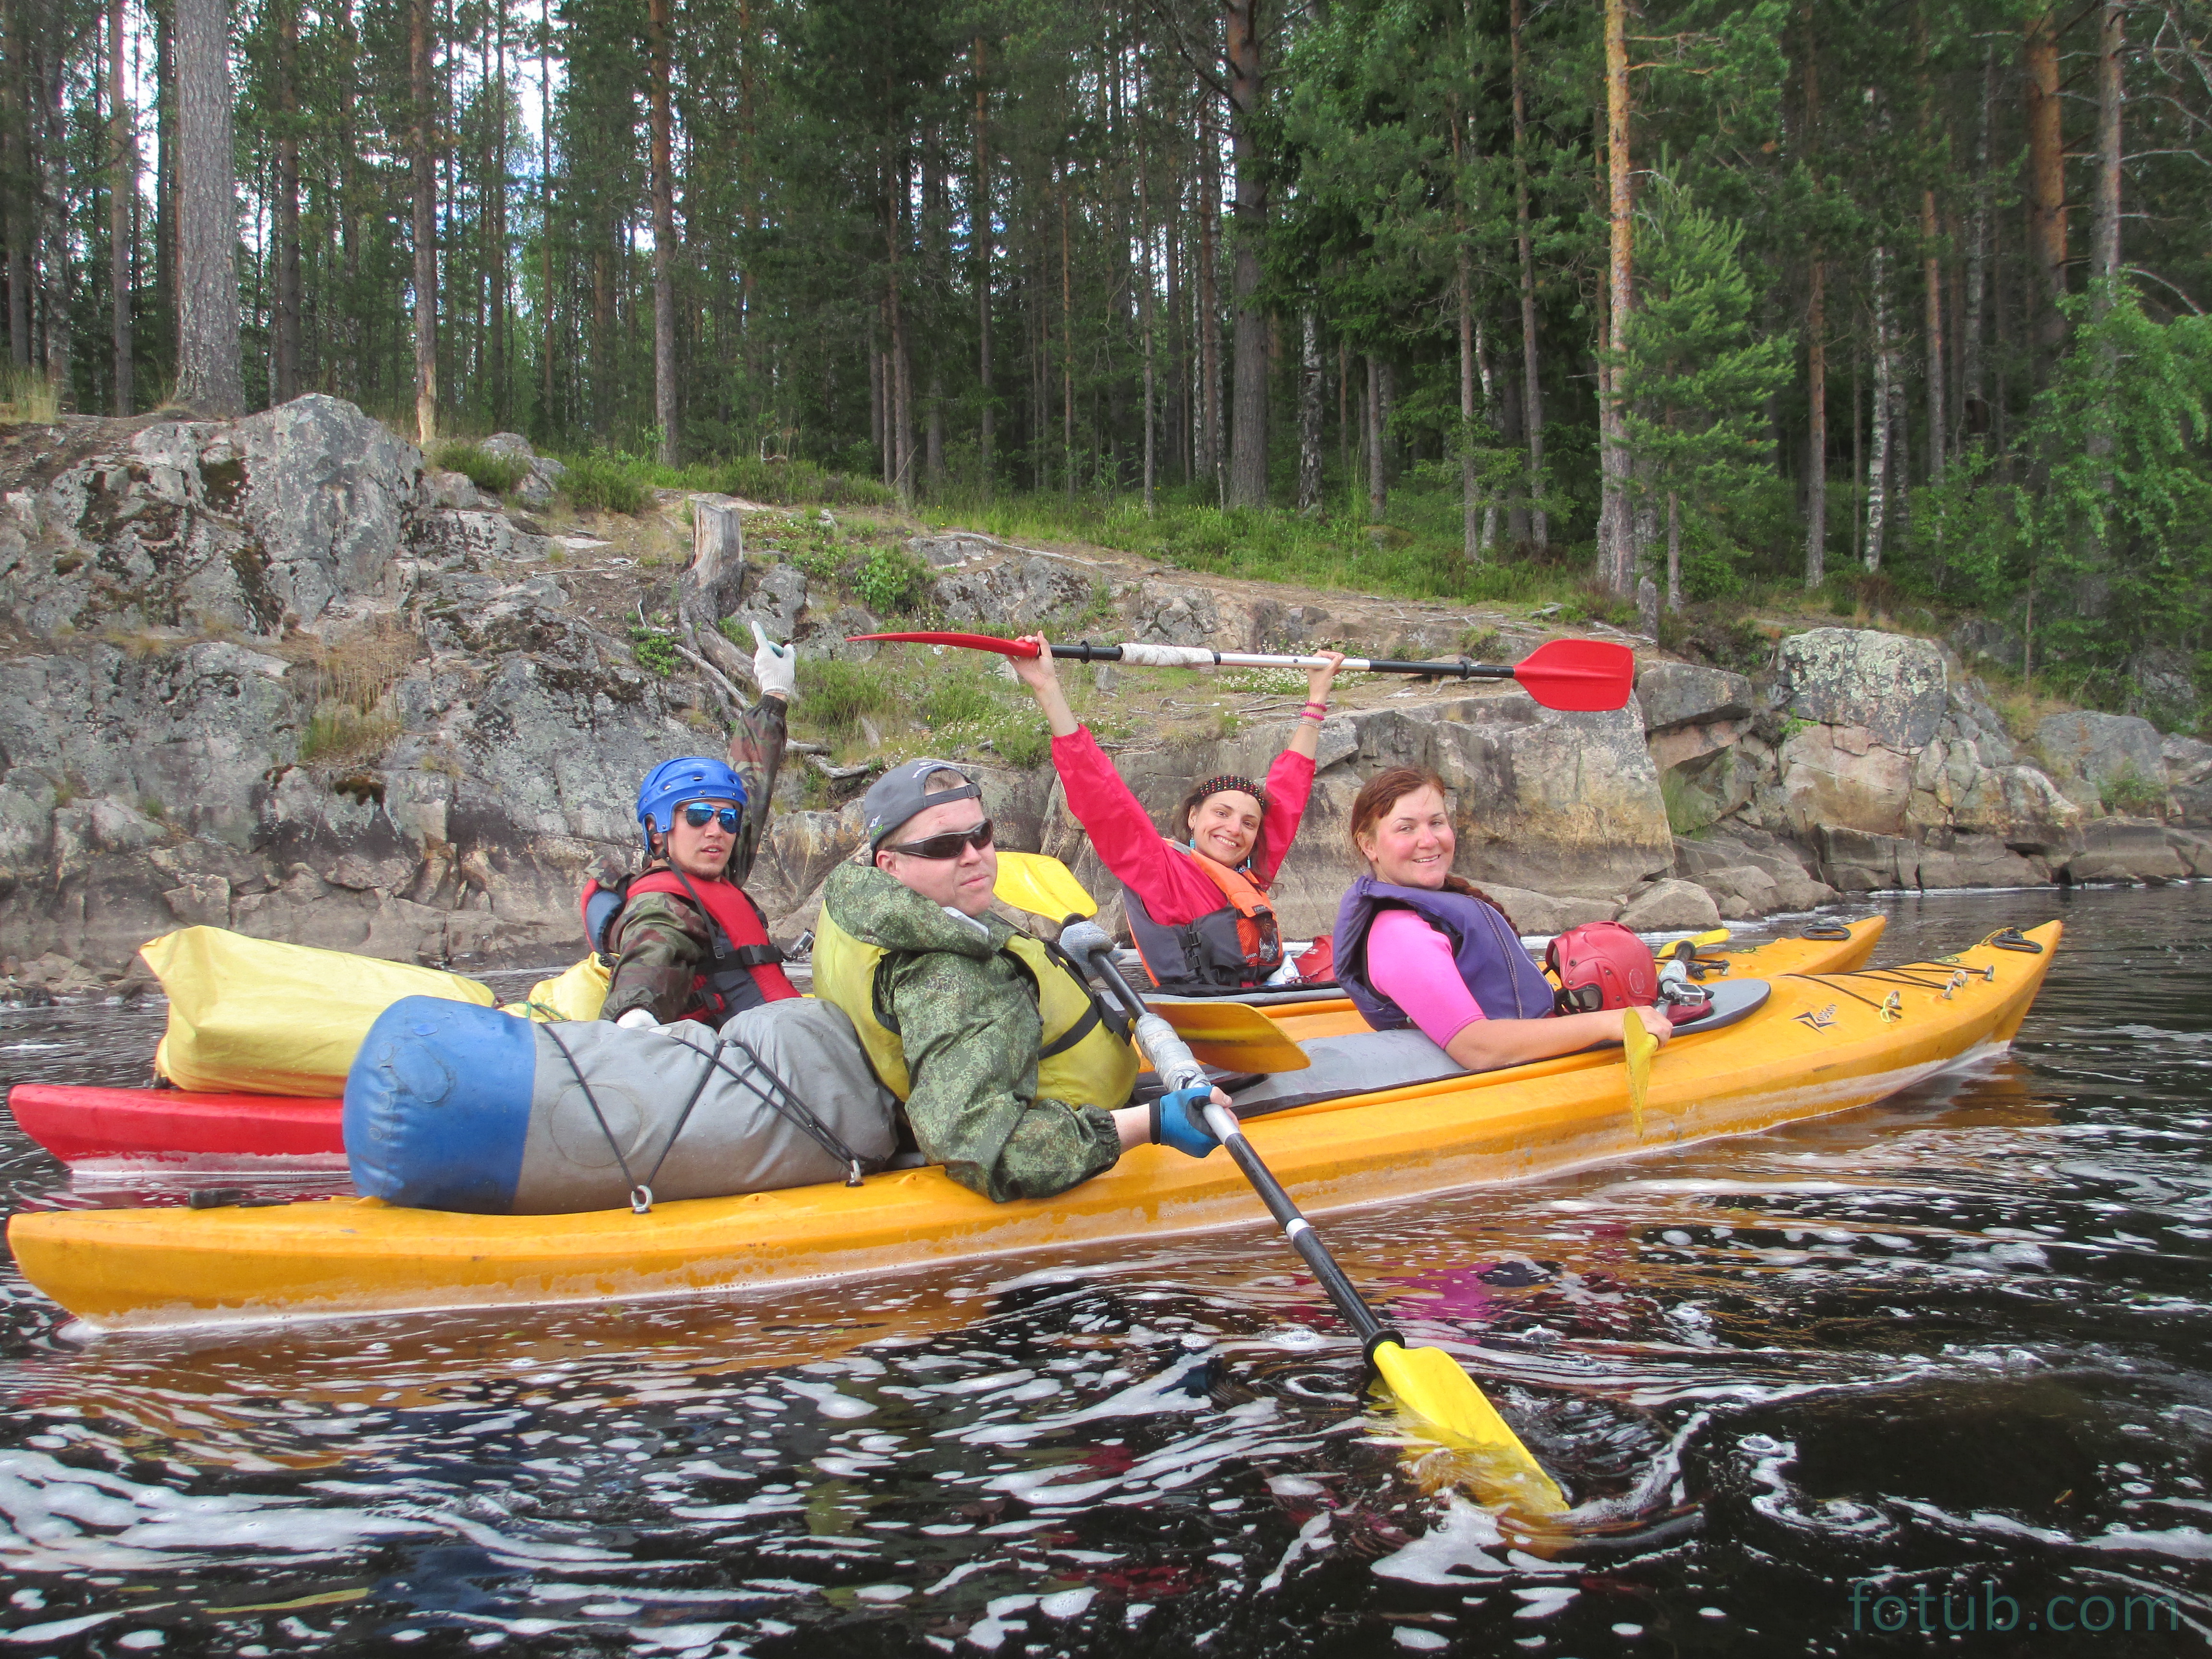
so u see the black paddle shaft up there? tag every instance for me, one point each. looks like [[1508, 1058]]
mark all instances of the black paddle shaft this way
[[1461, 670], [1303, 1239]]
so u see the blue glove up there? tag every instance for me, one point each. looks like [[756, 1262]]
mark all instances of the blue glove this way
[[1179, 1120]]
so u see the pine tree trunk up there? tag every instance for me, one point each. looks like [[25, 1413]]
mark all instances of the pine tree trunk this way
[[1532, 390], [496, 182], [166, 98], [122, 192], [1931, 268], [1973, 401], [1378, 488], [14, 180], [980, 228], [425, 225], [1066, 338], [1931, 265], [1487, 536], [350, 377], [1616, 556], [549, 424], [59, 287], [208, 373], [1816, 434], [664, 233], [1878, 469], [1310, 389], [1248, 469], [1144, 310], [2046, 175], [1674, 552], [1209, 307], [284, 345], [1472, 546], [2105, 225]]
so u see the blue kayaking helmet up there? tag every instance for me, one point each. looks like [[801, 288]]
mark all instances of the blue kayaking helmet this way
[[687, 778]]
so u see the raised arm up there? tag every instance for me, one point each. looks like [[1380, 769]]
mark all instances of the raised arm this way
[[757, 745]]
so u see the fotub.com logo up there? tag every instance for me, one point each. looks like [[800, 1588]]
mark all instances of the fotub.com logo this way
[[1892, 1608]]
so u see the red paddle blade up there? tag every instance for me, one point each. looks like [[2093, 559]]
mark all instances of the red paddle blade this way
[[968, 642], [1582, 675]]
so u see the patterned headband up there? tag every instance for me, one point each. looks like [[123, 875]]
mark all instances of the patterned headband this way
[[1214, 786]]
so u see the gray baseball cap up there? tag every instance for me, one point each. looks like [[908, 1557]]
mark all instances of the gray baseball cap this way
[[899, 794]]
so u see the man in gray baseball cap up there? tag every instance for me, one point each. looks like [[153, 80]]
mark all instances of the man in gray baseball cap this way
[[1013, 1074]]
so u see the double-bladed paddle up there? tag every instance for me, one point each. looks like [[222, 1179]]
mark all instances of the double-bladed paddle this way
[[1427, 1382], [1574, 675]]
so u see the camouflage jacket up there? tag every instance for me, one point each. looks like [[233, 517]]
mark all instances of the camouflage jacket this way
[[966, 1013], [661, 940]]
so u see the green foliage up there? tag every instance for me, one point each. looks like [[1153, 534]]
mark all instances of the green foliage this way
[[892, 581], [603, 483], [834, 695], [1695, 375], [2109, 534], [486, 470], [338, 731], [960, 698], [2131, 792], [654, 650]]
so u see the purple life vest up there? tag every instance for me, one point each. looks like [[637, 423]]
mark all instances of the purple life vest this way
[[1504, 983]]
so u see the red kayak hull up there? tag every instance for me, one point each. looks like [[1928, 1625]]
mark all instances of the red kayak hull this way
[[77, 1125]]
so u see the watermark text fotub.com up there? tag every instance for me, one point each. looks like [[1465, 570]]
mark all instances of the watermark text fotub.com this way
[[1893, 1608]]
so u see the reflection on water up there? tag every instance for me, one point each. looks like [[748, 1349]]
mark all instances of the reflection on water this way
[[1825, 1388]]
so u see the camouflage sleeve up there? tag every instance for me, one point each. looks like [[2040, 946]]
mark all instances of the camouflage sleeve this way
[[756, 756], [973, 1057], [659, 942]]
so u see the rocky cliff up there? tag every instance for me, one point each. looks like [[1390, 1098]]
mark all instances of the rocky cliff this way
[[277, 675]]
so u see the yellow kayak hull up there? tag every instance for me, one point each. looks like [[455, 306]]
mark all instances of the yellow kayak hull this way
[[1821, 1043]]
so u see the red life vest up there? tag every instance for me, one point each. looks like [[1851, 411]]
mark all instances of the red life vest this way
[[746, 967]]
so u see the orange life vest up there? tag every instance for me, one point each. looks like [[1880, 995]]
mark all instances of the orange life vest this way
[[1229, 949]]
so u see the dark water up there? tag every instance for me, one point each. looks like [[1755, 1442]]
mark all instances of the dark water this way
[[1941, 1362]]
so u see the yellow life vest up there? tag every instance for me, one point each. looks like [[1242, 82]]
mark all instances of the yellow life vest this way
[[1082, 1059]]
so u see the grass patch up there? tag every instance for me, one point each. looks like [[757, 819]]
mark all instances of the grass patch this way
[[336, 731], [601, 484], [27, 396], [496, 473], [834, 696]]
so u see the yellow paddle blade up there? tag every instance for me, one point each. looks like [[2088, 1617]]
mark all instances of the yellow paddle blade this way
[[1640, 1045], [1042, 886], [1431, 1385], [1234, 1035]]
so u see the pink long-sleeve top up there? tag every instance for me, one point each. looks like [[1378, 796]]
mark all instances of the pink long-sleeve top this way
[[1174, 889], [1410, 962]]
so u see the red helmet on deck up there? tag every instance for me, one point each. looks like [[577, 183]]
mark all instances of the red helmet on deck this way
[[1602, 956]]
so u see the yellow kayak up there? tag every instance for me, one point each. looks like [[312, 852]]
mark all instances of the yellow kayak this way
[[1821, 1042]]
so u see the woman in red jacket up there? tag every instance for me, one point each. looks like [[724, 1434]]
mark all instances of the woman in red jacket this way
[[1197, 897]]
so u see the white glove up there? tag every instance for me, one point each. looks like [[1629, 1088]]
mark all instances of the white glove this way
[[775, 667], [639, 1020]]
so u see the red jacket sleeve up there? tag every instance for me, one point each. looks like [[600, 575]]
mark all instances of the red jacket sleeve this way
[[1173, 888]]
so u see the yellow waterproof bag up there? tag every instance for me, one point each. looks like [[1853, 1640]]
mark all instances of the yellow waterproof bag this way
[[258, 1017], [578, 993]]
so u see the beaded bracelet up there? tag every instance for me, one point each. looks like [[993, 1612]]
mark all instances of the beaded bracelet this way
[[1316, 711]]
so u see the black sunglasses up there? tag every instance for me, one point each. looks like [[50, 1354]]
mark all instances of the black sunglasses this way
[[948, 845], [699, 813]]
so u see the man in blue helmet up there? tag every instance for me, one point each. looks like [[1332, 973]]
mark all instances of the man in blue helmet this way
[[686, 940]]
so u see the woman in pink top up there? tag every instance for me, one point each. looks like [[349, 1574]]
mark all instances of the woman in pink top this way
[[1197, 905], [1418, 945]]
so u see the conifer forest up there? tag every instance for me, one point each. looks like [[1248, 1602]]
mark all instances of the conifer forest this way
[[1686, 299]]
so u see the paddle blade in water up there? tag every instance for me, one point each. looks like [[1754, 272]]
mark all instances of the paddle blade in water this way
[[1042, 886], [1431, 1385], [1578, 675], [1640, 1045], [966, 641]]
